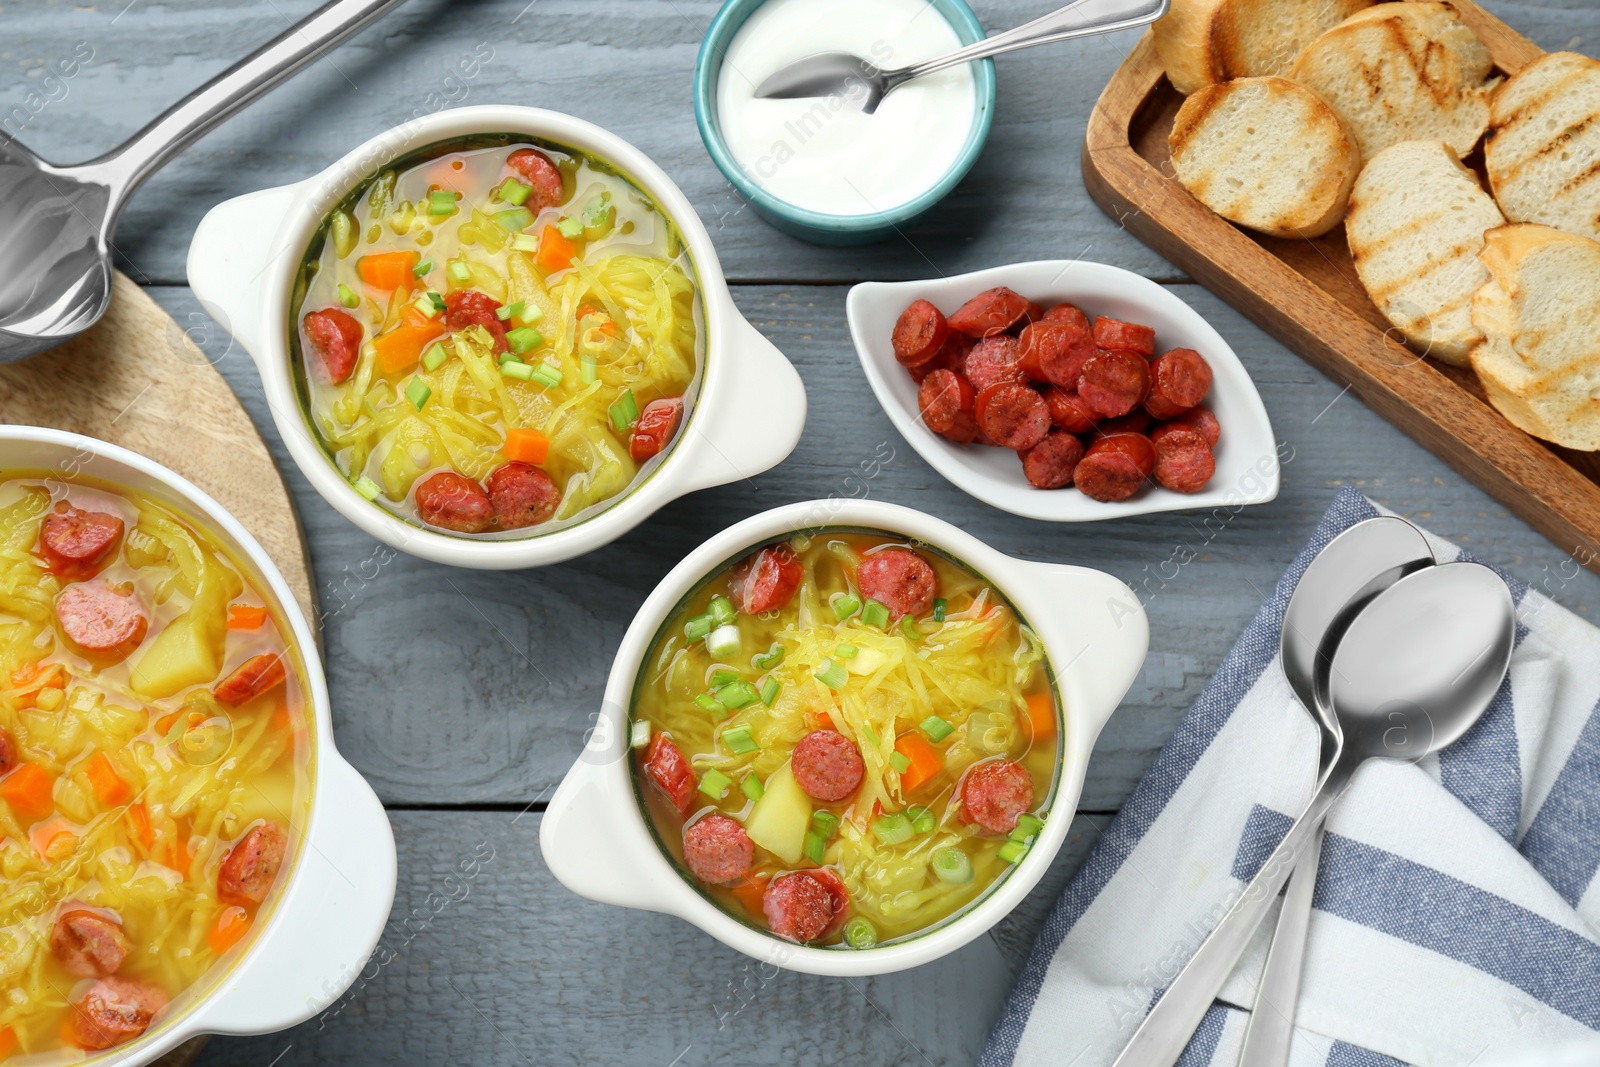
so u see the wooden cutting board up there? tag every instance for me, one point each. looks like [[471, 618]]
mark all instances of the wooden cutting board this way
[[135, 379], [1307, 295]]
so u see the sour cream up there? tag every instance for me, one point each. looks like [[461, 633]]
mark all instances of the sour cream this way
[[823, 153]]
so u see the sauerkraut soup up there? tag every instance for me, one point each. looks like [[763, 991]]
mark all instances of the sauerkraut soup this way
[[495, 336], [154, 761], [845, 739]]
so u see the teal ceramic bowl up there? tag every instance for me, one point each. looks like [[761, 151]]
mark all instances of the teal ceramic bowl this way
[[816, 226]]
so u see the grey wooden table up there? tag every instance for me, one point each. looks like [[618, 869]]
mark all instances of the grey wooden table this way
[[434, 698]]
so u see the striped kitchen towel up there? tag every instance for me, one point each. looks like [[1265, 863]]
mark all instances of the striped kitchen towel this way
[[1457, 915]]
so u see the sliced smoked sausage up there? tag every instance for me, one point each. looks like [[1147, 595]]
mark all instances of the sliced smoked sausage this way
[[766, 579], [251, 865], [522, 495], [1050, 463], [899, 579], [1068, 411], [919, 334], [1184, 462], [670, 772], [657, 423], [542, 174], [250, 679], [827, 765], [992, 361], [1013, 415], [101, 620], [1178, 381], [1114, 382], [453, 501], [995, 794], [990, 312], [803, 905], [1055, 352], [87, 944], [336, 338], [1196, 418], [1117, 336], [1070, 315], [115, 1010], [717, 849], [951, 357], [945, 400], [1135, 421], [75, 543], [466, 308], [1115, 468]]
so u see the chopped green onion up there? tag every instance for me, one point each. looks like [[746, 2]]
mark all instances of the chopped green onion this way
[[547, 374], [525, 242], [752, 787], [625, 412], [509, 311], [518, 370], [738, 739], [900, 761], [591, 370], [824, 823], [860, 933], [698, 627], [515, 220], [1027, 828], [424, 303], [459, 271], [523, 338], [736, 695], [711, 704], [723, 642], [908, 626], [599, 216], [892, 829], [940, 605], [530, 314], [875, 614], [770, 690], [846, 652], [638, 734], [421, 269], [872, 735], [435, 356], [344, 232], [510, 357], [418, 392], [442, 202], [845, 606], [922, 819], [570, 228], [721, 610], [770, 658], [832, 675], [367, 487], [348, 297], [813, 847], [1012, 851], [723, 677], [952, 866], [513, 191], [714, 784], [936, 728]]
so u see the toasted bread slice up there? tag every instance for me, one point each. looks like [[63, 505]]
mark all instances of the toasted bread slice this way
[[1265, 153], [1403, 72], [1543, 153], [1540, 316], [1203, 42], [1416, 223]]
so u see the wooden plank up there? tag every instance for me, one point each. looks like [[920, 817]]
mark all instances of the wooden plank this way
[[496, 962], [626, 64], [461, 687], [1306, 294]]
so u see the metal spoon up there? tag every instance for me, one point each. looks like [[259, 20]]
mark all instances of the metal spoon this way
[[56, 222], [841, 73], [1413, 672], [1353, 568]]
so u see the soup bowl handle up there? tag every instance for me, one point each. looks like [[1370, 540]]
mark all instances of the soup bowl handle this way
[[322, 939], [759, 415], [230, 255], [595, 842]]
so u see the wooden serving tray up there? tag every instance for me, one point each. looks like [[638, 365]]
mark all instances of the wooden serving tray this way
[[1306, 294]]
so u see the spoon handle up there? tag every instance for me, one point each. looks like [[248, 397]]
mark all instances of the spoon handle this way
[[124, 167], [1079, 19], [1161, 1038], [1271, 1030]]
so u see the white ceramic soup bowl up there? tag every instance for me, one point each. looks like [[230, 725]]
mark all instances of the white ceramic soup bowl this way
[[597, 839], [1247, 455], [321, 924], [746, 418]]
